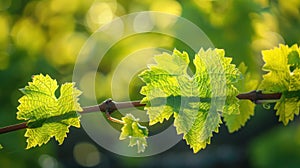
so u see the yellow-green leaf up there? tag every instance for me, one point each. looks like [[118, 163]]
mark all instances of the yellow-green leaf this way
[[246, 109], [133, 131], [283, 66], [46, 115], [195, 101]]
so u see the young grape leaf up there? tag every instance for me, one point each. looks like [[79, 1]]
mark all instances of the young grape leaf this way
[[235, 121], [136, 133], [282, 65], [194, 100], [46, 115]]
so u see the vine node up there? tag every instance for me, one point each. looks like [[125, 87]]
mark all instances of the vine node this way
[[258, 97]]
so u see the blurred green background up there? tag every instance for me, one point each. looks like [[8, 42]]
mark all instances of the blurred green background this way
[[45, 36]]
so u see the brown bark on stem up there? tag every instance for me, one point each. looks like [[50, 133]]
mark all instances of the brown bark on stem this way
[[109, 106]]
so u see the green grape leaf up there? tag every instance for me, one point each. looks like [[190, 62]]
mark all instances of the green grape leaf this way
[[194, 101], [136, 133], [1, 147], [287, 108], [282, 64], [46, 115], [276, 63], [250, 82]]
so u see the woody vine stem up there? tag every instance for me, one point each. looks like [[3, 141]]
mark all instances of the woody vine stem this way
[[109, 106]]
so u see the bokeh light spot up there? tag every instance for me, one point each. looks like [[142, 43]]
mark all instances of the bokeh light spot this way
[[28, 35], [142, 23], [63, 50], [86, 154], [99, 14], [47, 161], [168, 6], [65, 6]]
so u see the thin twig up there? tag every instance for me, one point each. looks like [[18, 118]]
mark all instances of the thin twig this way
[[13, 127], [113, 119], [109, 106], [257, 97]]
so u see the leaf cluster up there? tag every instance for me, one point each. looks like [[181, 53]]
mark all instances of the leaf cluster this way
[[197, 102], [283, 66]]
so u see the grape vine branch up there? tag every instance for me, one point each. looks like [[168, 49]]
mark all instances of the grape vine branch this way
[[109, 106]]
